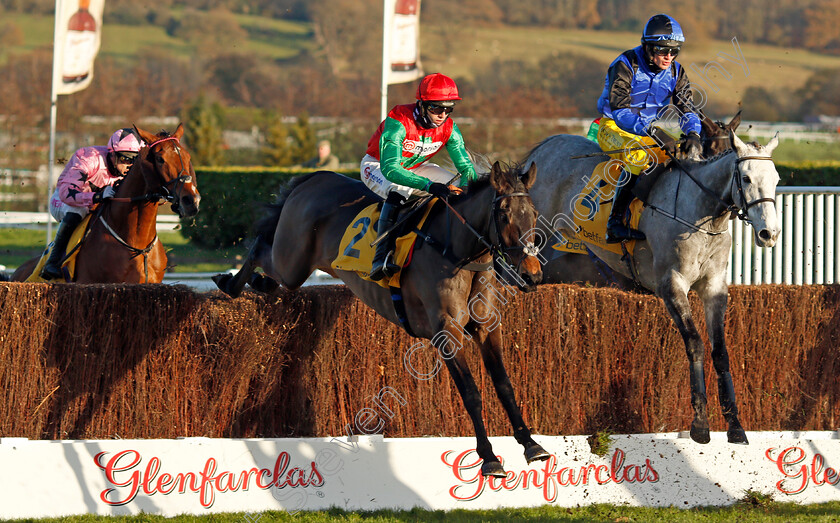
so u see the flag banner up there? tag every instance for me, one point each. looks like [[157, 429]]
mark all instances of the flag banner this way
[[403, 23], [78, 31]]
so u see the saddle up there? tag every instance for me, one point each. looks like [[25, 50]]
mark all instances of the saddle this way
[[355, 253], [68, 266], [591, 211]]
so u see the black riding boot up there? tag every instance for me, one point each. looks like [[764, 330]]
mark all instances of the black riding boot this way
[[616, 230], [52, 269], [383, 260]]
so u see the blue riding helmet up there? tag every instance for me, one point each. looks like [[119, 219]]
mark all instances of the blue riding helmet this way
[[664, 31]]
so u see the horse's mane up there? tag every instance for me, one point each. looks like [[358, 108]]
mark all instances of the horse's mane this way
[[265, 226]]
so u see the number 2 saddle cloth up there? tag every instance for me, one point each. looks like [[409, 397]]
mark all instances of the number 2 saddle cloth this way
[[355, 253]]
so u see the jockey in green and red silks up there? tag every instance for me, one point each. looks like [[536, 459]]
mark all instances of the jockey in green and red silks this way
[[396, 164], [643, 85]]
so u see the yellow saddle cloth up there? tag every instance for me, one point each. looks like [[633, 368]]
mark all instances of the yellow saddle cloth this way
[[69, 265], [591, 210], [355, 253]]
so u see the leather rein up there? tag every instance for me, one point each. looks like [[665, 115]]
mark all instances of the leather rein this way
[[738, 210], [494, 246]]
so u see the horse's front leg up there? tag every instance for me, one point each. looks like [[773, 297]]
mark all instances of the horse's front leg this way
[[449, 340], [714, 302], [673, 289], [490, 342]]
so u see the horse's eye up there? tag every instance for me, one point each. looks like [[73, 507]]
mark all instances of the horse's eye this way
[[747, 179]]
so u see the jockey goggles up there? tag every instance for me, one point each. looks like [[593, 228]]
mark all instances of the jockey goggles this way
[[438, 109], [126, 157], [662, 50]]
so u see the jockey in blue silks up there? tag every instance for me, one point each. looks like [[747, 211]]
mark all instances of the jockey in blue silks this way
[[642, 85]]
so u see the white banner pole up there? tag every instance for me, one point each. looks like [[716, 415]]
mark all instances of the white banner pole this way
[[387, 11], [51, 178]]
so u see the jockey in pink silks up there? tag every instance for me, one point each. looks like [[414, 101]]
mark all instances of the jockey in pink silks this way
[[87, 180]]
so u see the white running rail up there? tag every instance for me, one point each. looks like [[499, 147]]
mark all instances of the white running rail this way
[[806, 251]]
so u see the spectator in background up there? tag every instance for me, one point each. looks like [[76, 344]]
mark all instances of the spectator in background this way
[[325, 161]]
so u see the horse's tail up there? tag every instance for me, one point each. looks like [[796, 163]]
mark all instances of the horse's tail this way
[[266, 225]]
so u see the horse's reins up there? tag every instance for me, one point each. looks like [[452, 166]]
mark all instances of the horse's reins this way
[[166, 194], [495, 247], [738, 211]]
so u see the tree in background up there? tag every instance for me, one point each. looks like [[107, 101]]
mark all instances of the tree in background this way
[[277, 151], [204, 123], [820, 94], [303, 138]]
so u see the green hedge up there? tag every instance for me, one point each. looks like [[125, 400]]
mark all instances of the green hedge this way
[[824, 174], [231, 198]]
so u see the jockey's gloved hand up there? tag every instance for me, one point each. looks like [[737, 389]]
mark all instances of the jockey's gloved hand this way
[[665, 140], [105, 194], [441, 190], [692, 146]]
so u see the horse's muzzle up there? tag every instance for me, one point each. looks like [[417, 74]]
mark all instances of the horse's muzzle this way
[[766, 237], [187, 206], [531, 273]]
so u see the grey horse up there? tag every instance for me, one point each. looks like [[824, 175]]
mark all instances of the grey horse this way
[[587, 269], [688, 242]]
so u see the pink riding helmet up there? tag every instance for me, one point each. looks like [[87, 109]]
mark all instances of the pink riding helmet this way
[[125, 140]]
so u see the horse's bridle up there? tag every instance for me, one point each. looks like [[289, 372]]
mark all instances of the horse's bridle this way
[[171, 196], [739, 211], [495, 246], [736, 175]]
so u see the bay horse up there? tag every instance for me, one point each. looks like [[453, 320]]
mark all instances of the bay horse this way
[[572, 267], [122, 245], [445, 301], [687, 246]]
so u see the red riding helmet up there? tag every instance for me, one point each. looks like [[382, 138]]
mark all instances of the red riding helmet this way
[[438, 88]]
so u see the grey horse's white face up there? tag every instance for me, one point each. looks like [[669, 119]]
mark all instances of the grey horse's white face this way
[[758, 180]]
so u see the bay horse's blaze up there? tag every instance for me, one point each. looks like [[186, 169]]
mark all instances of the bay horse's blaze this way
[[122, 245], [441, 288]]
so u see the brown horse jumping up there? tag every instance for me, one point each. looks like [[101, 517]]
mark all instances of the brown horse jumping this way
[[447, 289], [122, 244]]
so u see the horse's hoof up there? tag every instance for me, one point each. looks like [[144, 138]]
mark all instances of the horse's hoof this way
[[535, 452], [492, 468], [737, 436], [700, 434], [222, 281], [264, 284]]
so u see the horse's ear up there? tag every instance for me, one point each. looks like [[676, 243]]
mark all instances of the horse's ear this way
[[772, 144], [145, 135], [735, 121], [530, 177], [498, 179], [737, 144], [710, 128], [179, 132]]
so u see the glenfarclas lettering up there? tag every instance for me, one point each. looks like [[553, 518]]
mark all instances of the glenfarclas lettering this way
[[466, 467], [798, 473], [129, 478]]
